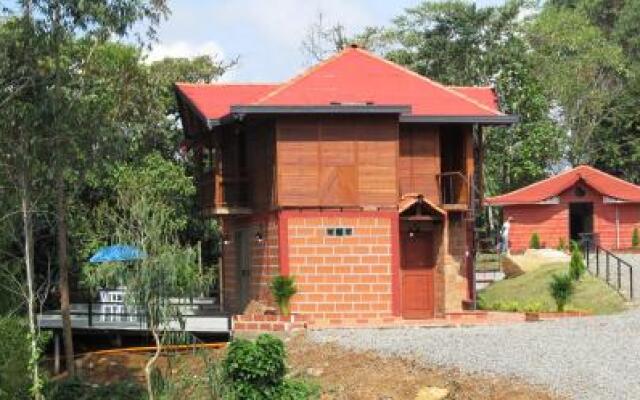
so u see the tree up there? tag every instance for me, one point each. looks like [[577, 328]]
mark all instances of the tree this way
[[144, 216], [577, 267], [581, 71], [459, 43]]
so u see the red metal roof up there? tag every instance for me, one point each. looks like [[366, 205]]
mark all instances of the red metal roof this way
[[213, 100], [353, 76], [482, 94], [603, 183]]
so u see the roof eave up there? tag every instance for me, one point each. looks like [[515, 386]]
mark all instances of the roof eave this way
[[489, 120]]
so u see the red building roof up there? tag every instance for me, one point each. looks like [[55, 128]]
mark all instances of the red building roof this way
[[601, 182], [353, 76]]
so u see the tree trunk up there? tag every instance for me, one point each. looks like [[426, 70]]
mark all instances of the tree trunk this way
[[29, 265], [149, 367], [63, 266]]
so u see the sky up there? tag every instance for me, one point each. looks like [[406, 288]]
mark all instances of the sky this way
[[266, 35]]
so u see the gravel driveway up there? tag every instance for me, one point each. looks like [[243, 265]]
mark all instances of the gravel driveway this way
[[585, 358]]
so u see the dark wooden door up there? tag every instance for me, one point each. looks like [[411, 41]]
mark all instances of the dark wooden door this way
[[418, 288], [243, 267]]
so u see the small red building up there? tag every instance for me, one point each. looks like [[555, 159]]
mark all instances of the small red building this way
[[358, 177], [567, 206]]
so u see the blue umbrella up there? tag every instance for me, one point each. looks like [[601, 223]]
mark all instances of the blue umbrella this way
[[118, 252]]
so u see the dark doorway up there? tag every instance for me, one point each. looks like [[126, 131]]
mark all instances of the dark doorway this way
[[580, 220]]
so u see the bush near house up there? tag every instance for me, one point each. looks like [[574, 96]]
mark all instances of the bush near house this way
[[576, 266], [562, 288], [635, 238], [256, 370], [282, 289], [534, 242], [562, 244]]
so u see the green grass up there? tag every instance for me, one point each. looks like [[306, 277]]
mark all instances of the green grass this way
[[530, 292]]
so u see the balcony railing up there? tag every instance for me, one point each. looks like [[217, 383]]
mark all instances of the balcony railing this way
[[454, 188], [221, 194]]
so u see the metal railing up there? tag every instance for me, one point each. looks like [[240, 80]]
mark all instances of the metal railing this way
[[614, 269]]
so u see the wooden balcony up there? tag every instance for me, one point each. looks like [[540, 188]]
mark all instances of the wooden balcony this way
[[221, 195], [454, 188]]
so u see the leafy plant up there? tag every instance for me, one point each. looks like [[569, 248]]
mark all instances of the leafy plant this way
[[14, 358], [283, 288], [635, 238], [562, 288], [256, 370], [562, 244], [577, 266], [78, 389], [534, 242]]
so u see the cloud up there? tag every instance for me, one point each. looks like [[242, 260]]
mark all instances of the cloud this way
[[184, 49]]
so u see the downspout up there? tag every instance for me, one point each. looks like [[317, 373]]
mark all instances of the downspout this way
[[617, 228]]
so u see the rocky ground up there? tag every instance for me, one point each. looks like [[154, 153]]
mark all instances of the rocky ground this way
[[589, 358]]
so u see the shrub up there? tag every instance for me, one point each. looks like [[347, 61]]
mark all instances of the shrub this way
[[283, 288], [576, 267], [14, 359], [256, 370], [534, 242], [77, 389], [561, 288], [635, 238], [562, 244]]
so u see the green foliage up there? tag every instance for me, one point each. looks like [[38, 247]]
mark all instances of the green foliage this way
[[283, 288], [577, 267], [78, 389], [256, 370], [635, 238], [14, 359], [534, 241], [511, 306], [562, 244], [561, 288]]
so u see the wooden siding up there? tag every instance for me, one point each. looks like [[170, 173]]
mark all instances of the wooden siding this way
[[260, 160], [337, 161], [419, 161]]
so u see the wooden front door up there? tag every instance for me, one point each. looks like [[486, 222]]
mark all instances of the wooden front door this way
[[418, 276], [243, 267]]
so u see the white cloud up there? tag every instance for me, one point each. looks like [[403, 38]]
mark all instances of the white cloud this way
[[286, 21], [183, 49]]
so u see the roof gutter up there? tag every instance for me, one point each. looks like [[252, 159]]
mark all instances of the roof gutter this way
[[461, 119]]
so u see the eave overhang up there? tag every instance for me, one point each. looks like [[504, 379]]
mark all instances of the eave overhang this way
[[495, 120]]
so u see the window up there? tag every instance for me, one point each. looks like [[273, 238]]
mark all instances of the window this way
[[339, 231]]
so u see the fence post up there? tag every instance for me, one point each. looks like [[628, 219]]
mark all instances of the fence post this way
[[630, 282], [619, 277], [90, 314]]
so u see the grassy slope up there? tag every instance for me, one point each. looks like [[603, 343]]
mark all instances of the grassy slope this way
[[533, 287]]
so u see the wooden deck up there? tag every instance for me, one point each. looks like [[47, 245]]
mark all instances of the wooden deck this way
[[200, 316]]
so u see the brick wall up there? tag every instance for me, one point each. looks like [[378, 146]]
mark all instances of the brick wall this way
[[341, 277], [264, 259]]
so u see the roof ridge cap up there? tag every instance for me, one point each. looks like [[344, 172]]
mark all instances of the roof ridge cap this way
[[428, 80], [303, 74]]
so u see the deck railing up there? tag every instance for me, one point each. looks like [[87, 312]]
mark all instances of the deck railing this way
[[616, 272], [454, 188], [217, 191]]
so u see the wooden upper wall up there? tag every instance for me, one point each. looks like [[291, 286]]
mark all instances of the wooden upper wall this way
[[337, 161]]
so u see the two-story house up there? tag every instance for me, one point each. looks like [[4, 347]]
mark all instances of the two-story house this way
[[358, 177]]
